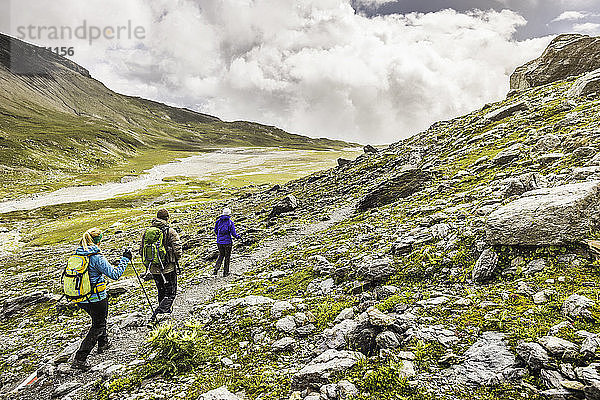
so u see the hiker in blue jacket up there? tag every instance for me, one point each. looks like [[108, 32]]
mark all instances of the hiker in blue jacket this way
[[96, 305], [224, 229]]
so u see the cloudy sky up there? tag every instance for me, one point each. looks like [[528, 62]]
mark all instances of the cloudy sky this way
[[372, 71]]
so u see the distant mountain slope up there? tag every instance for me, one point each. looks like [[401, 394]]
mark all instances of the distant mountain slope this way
[[56, 119]]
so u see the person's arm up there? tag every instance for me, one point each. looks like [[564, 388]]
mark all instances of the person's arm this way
[[175, 243], [233, 232], [110, 271], [216, 224]]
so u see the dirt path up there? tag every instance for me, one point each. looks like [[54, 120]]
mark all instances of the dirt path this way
[[127, 344]]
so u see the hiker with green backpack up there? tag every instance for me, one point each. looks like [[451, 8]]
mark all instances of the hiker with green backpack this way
[[84, 284], [160, 251]]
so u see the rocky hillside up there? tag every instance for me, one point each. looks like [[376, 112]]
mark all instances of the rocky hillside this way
[[57, 122], [451, 265]]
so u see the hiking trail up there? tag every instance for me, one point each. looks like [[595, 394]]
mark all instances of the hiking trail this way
[[126, 344]]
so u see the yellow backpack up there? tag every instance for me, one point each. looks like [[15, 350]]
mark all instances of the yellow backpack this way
[[76, 279]]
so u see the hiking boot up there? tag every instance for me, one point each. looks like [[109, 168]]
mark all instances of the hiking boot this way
[[215, 272], [226, 274], [104, 347], [81, 365]]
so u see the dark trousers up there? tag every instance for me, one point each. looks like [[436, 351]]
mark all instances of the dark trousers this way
[[98, 310], [224, 255], [166, 292]]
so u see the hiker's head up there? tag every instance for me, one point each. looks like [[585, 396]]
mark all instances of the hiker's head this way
[[226, 211], [91, 237], [163, 214]]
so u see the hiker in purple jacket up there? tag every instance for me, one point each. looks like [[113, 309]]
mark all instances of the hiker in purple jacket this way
[[224, 229]]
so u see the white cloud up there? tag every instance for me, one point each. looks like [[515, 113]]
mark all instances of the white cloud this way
[[587, 28], [570, 16], [373, 3], [313, 67]]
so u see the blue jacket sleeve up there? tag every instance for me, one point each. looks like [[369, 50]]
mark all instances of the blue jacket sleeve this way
[[110, 271], [233, 233]]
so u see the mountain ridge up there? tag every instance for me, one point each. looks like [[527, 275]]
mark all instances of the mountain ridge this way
[[50, 107]]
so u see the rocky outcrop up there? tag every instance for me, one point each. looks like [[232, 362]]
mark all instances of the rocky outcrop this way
[[485, 267], [577, 306], [287, 204], [552, 216], [11, 306], [405, 183], [488, 361], [318, 371], [506, 111], [586, 85], [566, 56]]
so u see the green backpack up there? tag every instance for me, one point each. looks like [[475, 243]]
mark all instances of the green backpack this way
[[76, 279], [154, 253]]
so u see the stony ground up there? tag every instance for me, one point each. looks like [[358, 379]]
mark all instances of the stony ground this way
[[451, 265]]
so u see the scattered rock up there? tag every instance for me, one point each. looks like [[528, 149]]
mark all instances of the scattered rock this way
[[387, 340], [408, 369], [12, 305], [369, 149], [378, 318], [287, 204], [218, 394], [343, 161], [376, 271], [248, 301], [486, 266], [435, 333], [586, 85], [406, 182], [280, 307], [578, 306], [552, 216], [319, 287], [64, 389], [323, 366], [560, 348], [535, 266], [534, 355], [284, 344], [506, 111], [487, 362], [345, 389], [286, 324], [338, 336]]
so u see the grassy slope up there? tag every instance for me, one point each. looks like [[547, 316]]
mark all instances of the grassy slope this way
[[427, 271], [61, 124]]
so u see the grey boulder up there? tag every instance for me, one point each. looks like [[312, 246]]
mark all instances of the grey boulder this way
[[534, 355], [587, 84], [551, 216], [486, 266], [376, 271], [405, 183], [487, 362], [318, 371], [559, 348], [287, 204], [577, 306], [506, 111]]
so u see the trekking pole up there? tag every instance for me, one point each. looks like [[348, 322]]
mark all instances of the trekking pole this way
[[142, 285]]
